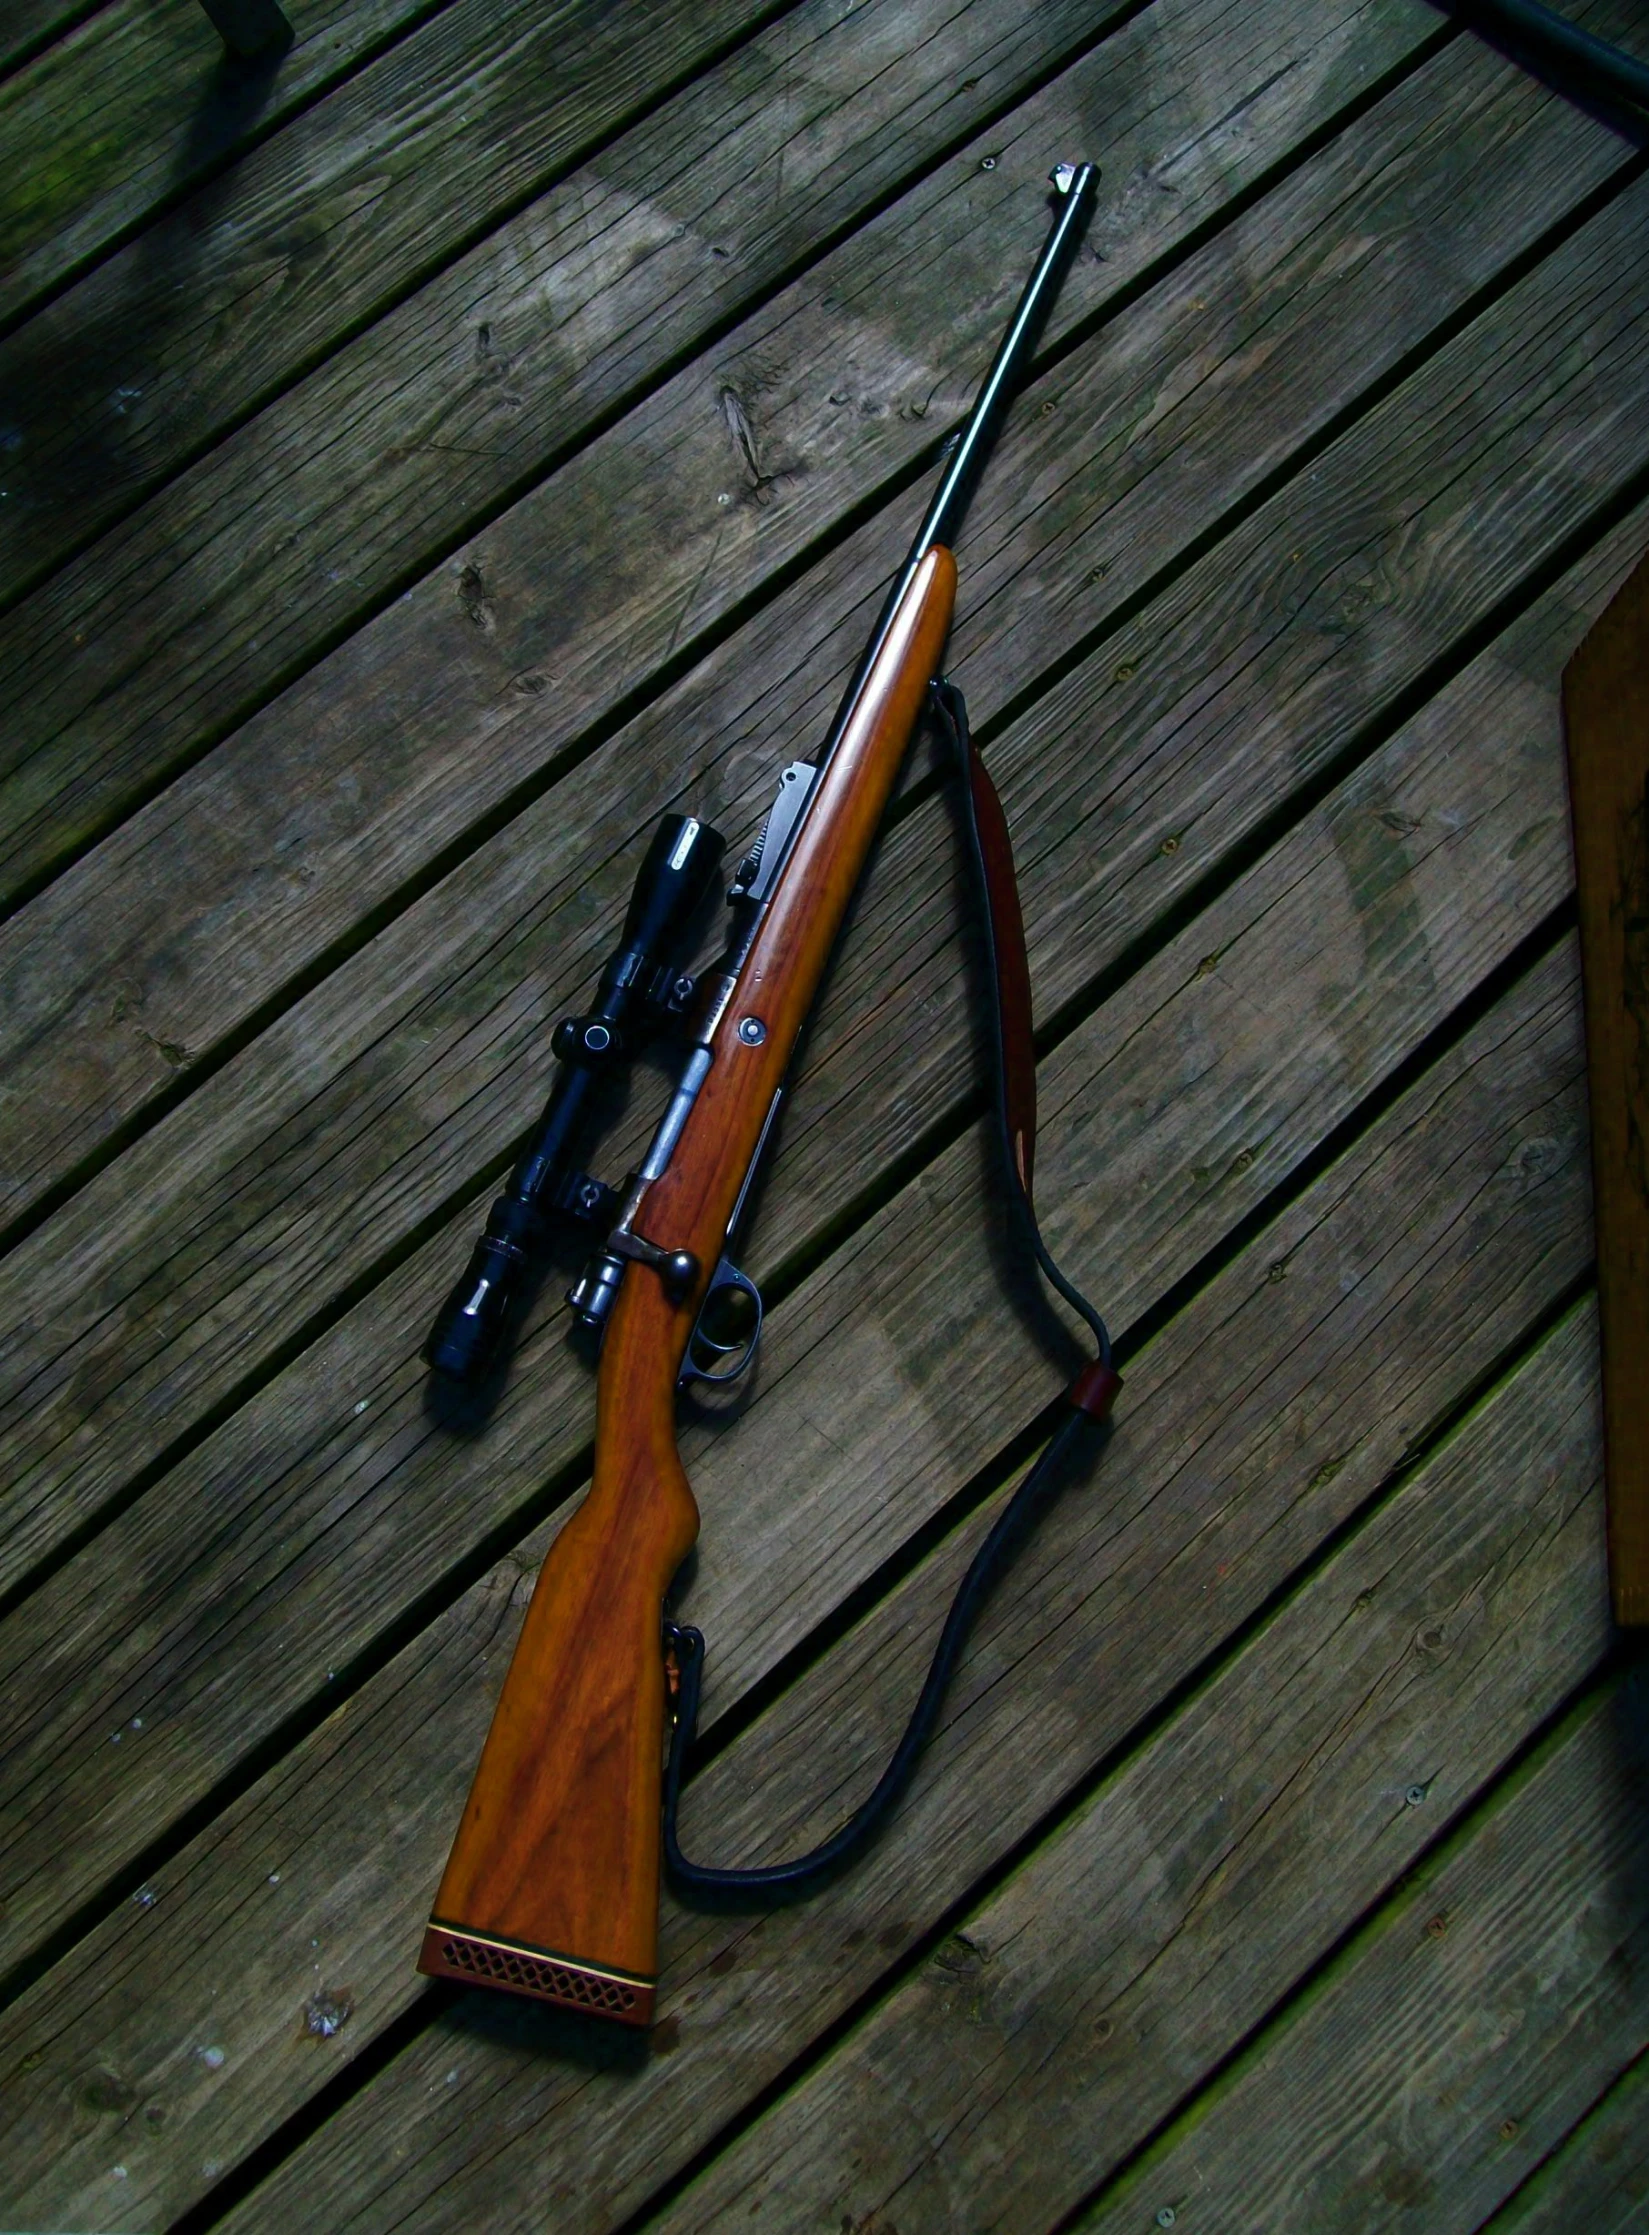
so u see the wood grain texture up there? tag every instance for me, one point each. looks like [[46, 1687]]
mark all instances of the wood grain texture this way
[[1208, 1084], [1606, 722], [248, 1182], [558, 1847], [316, 1883], [393, 452], [256, 275], [1460, 2036], [510, 2130], [31, 25], [1141, 1942], [1268, 884], [618, 567], [133, 107], [1598, 2178]]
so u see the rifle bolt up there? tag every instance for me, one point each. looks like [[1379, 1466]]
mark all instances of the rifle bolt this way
[[752, 1031], [680, 1269]]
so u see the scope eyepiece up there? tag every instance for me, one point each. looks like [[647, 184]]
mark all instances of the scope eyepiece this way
[[470, 1324], [681, 864]]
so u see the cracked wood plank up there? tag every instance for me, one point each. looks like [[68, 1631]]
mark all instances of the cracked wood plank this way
[[187, 1268], [175, 2036], [1138, 1946], [1464, 2031], [333, 1501], [135, 105], [498, 666]]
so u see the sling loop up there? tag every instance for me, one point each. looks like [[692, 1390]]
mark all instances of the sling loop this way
[[1090, 1396]]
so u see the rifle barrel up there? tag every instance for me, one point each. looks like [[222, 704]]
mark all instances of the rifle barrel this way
[[1077, 185]]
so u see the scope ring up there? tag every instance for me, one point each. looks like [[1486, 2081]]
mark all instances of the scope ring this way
[[594, 1042]]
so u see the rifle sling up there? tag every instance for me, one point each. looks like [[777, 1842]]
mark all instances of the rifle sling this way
[[1088, 1400]]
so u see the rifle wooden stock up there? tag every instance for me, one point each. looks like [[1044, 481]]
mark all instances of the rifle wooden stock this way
[[552, 1885]]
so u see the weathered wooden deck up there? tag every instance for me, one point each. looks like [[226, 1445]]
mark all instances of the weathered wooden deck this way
[[422, 466]]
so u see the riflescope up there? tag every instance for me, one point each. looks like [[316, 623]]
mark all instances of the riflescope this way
[[639, 989]]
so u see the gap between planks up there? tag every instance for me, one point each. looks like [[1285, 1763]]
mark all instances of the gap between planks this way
[[226, 1177], [57, 1644], [1598, 2176], [138, 105], [431, 421], [1210, 1496], [32, 25]]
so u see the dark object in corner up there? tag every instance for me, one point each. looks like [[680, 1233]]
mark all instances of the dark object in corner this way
[[252, 30], [1552, 41], [1606, 722]]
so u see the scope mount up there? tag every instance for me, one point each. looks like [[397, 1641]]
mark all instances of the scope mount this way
[[640, 993]]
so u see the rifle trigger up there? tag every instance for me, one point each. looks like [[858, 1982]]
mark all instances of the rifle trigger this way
[[722, 1345]]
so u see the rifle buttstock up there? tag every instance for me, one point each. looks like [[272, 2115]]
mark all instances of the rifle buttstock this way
[[551, 1888]]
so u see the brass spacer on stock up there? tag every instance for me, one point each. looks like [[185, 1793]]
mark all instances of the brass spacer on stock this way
[[474, 1959]]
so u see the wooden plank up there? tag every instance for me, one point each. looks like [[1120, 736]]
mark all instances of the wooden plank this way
[[1468, 2026], [364, 781], [287, 1541], [505, 2124], [1217, 1484], [31, 25], [177, 625], [1598, 2178], [225, 298], [182, 1273], [134, 106], [389, 454], [1137, 1947], [1606, 724]]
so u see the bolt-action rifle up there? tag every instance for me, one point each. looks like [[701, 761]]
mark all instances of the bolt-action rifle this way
[[551, 1889]]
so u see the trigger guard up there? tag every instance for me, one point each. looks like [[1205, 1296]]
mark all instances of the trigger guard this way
[[742, 1355]]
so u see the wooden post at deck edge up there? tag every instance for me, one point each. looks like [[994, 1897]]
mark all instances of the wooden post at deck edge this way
[[1606, 725]]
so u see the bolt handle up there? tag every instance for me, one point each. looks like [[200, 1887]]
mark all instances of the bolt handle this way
[[638, 988]]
